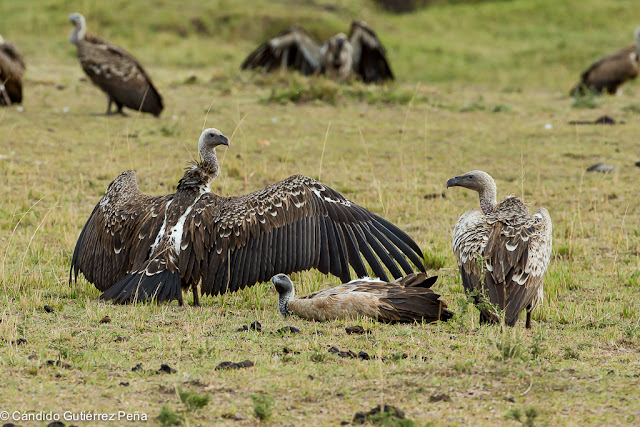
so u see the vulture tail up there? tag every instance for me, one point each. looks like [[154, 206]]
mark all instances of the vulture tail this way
[[140, 287], [417, 280], [415, 308]]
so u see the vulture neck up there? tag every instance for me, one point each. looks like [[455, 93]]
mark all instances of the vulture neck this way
[[488, 197], [77, 34], [283, 302], [210, 162]]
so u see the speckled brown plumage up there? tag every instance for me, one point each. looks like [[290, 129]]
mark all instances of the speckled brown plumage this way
[[12, 68], [503, 251], [408, 299], [115, 71], [223, 244]]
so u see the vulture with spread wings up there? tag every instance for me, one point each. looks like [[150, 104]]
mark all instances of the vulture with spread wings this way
[[136, 247], [503, 251], [339, 57]]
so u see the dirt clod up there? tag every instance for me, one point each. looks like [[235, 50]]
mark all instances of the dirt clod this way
[[391, 411], [233, 365], [58, 364], [165, 369], [439, 398], [288, 330]]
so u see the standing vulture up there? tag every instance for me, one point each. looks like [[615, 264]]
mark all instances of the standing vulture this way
[[339, 57], [115, 71], [136, 247], [407, 300], [12, 68], [502, 251], [610, 72]]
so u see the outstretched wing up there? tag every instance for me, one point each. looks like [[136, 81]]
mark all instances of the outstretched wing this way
[[293, 225], [119, 233], [518, 253], [292, 48], [369, 56]]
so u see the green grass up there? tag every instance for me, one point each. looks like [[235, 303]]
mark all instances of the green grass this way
[[470, 94]]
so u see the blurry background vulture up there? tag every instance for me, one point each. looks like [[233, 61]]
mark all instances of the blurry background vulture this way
[[136, 247], [339, 57], [12, 68], [502, 251], [406, 300], [115, 71], [610, 72]]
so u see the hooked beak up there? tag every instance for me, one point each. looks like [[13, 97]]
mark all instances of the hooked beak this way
[[453, 182], [224, 140]]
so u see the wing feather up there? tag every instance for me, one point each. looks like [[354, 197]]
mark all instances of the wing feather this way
[[292, 48], [121, 229], [306, 224], [369, 55]]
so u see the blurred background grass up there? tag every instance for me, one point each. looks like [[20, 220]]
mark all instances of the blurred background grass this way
[[501, 44]]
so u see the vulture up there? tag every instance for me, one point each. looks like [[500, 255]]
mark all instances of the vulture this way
[[339, 57], [136, 247], [12, 68], [502, 251], [115, 71], [610, 72], [406, 300]]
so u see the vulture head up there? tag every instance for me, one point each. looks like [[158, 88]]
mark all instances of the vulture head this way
[[284, 286], [482, 183], [210, 139], [79, 28], [338, 55]]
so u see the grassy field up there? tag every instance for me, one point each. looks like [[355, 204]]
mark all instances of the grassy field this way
[[479, 87]]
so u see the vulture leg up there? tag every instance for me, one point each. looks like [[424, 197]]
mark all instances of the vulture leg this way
[[527, 325], [484, 319], [108, 113], [5, 96], [122, 113], [196, 299]]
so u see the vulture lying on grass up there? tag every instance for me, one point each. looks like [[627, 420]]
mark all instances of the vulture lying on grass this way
[[12, 68], [610, 72], [136, 247], [502, 251], [361, 53], [115, 71], [408, 299]]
